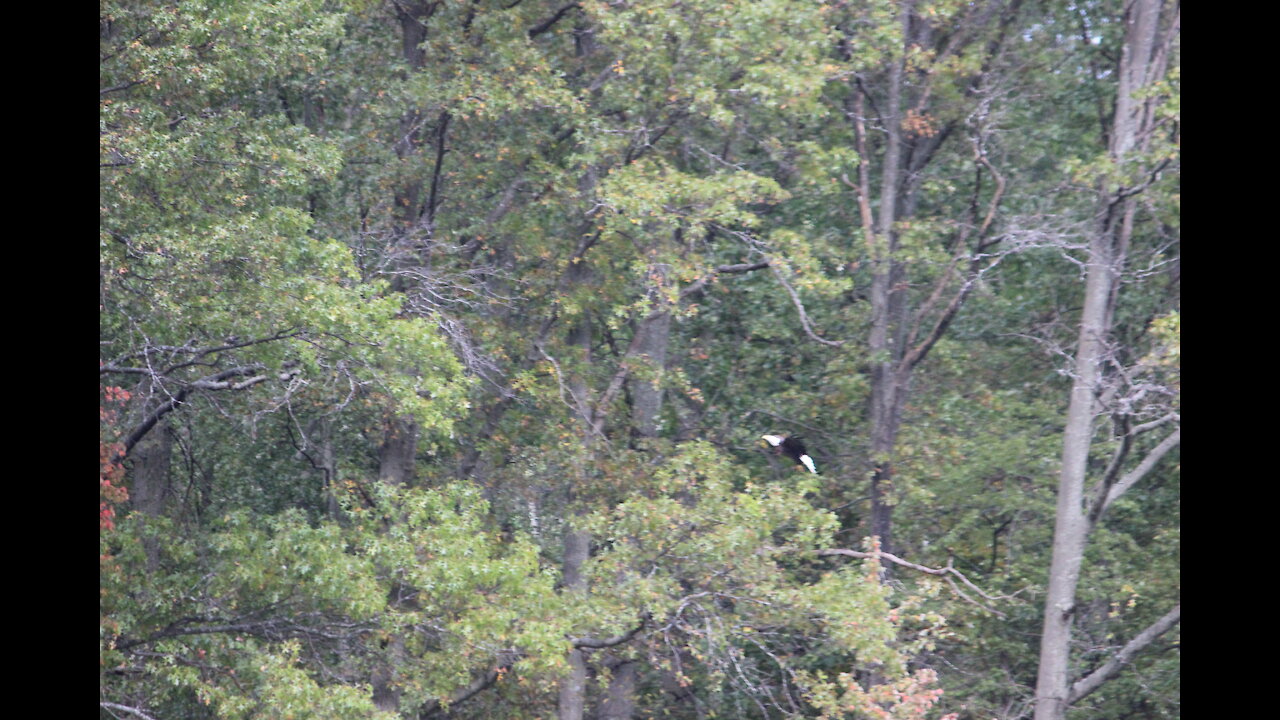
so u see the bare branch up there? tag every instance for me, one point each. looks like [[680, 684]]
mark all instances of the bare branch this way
[[219, 381], [121, 86], [547, 24], [578, 405], [1088, 684], [506, 659], [920, 351], [427, 216], [804, 318], [1122, 486], [1146, 427], [125, 708], [699, 284], [975, 271], [981, 157], [261, 622], [196, 353], [943, 571], [594, 643], [1113, 467], [1152, 176], [615, 383], [228, 385]]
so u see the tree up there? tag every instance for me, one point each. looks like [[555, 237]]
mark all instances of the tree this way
[[211, 281], [1140, 147], [438, 340]]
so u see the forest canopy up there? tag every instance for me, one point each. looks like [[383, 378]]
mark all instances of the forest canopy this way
[[639, 359]]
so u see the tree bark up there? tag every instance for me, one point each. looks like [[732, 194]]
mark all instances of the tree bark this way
[[149, 467]]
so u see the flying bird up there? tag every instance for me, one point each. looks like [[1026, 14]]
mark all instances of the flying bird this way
[[792, 448]]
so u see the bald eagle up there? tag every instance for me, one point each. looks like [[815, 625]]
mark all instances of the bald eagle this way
[[792, 448]]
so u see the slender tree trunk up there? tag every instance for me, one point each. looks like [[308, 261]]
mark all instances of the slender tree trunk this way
[[329, 468], [573, 688], [654, 332], [1140, 65], [571, 701], [886, 310], [1070, 529]]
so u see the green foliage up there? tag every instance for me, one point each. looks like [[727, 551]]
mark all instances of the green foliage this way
[[490, 227], [204, 236], [250, 593], [731, 567]]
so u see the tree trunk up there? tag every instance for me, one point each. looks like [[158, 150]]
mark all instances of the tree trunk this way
[[396, 466], [398, 452], [386, 696], [571, 701], [329, 469], [1070, 529], [887, 304], [149, 469], [1140, 65], [654, 334], [619, 702], [573, 688], [149, 486]]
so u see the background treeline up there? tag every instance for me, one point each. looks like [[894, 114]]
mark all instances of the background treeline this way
[[438, 338]]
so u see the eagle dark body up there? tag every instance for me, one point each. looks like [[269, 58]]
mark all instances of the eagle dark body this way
[[792, 447]]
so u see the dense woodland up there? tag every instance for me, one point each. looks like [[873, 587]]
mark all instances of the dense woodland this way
[[438, 339]]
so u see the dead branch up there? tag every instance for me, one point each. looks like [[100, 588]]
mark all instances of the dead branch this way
[[947, 571], [699, 284], [125, 708], [804, 317], [1088, 684], [597, 643], [1102, 500]]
